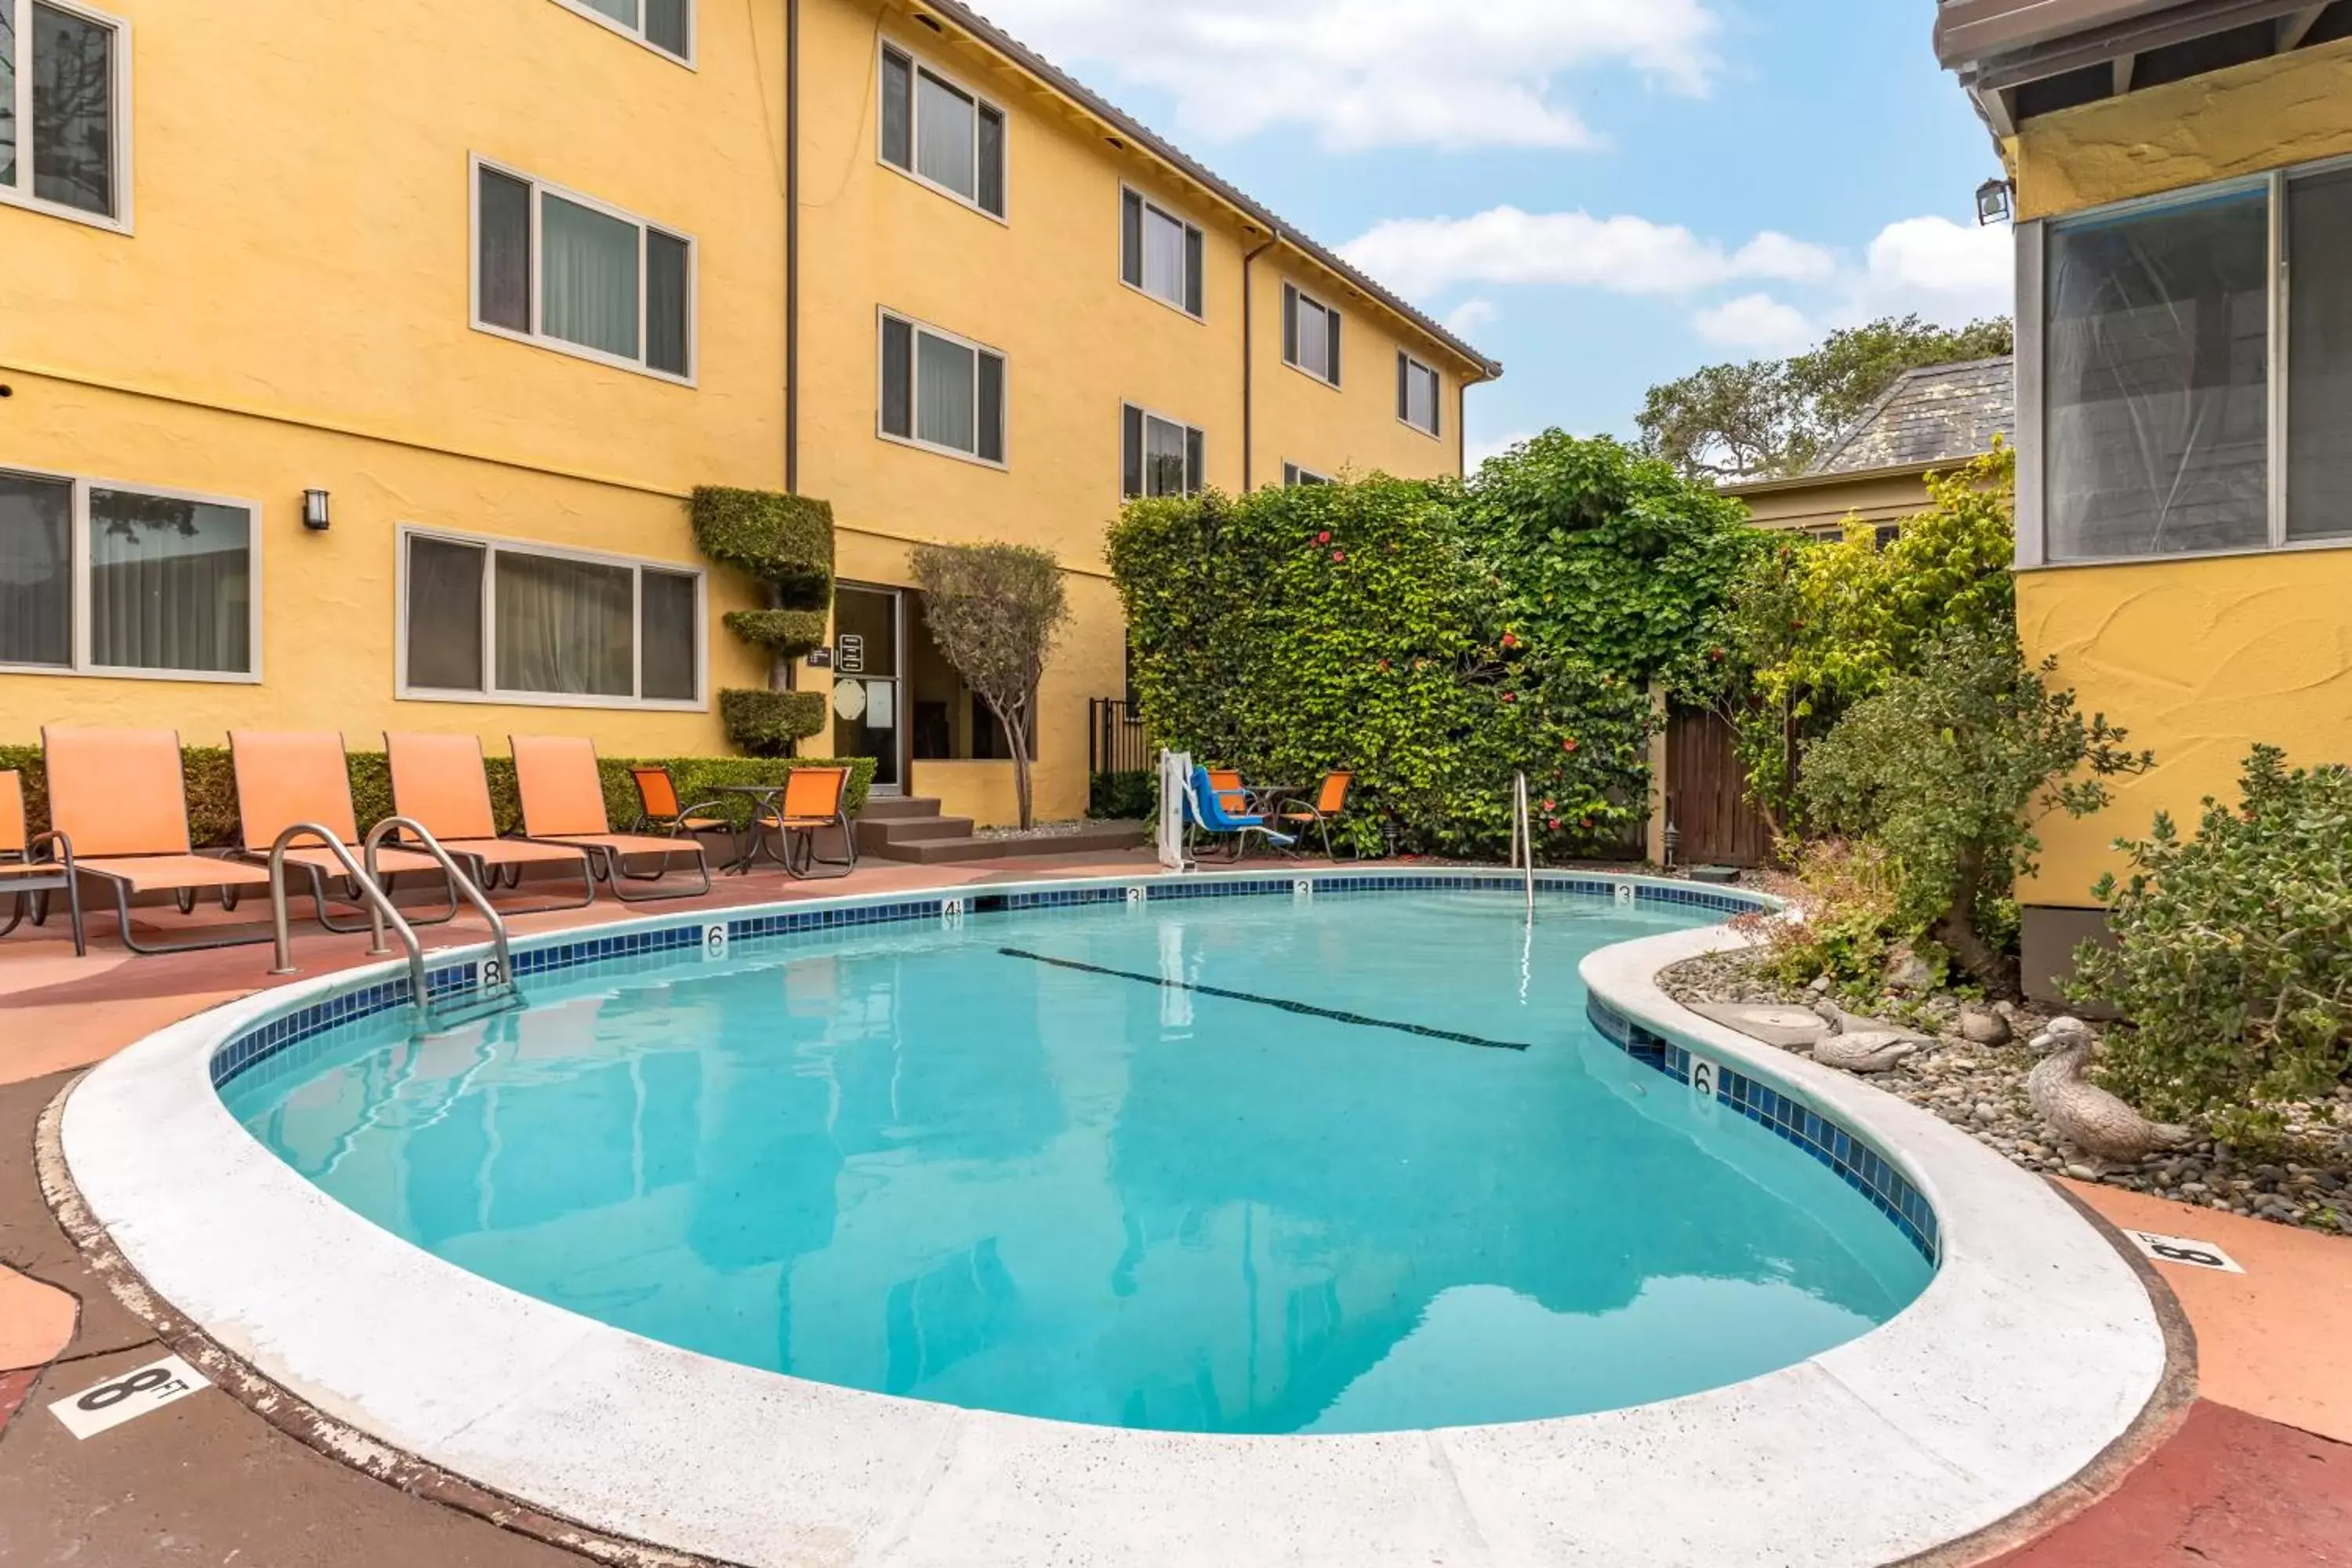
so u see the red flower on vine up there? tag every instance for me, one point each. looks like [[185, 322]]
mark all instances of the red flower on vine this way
[[1552, 805], [1552, 823], [1324, 537], [1569, 744], [1588, 822], [1385, 664], [1510, 697], [1509, 640], [1338, 556]]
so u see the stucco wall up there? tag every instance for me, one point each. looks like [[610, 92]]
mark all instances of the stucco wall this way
[[2198, 660], [2289, 109]]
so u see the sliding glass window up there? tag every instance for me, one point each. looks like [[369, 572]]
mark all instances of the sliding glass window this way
[[494, 620], [106, 579], [65, 111], [2194, 386], [942, 135], [663, 24], [568, 272], [941, 392]]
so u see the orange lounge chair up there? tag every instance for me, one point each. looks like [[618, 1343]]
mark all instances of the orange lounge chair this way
[[815, 800], [1330, 799], [283, 778], [564, 803], [32, 866], [438, 783], [659, 812], [119, 797]]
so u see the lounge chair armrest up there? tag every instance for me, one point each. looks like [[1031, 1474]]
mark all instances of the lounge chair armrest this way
[[60, 846], [708, 808]]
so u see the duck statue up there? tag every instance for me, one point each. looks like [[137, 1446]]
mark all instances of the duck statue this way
[[2084, 1114], [1861, 1045]]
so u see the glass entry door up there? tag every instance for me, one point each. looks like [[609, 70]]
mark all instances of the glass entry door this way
[[870, 716]]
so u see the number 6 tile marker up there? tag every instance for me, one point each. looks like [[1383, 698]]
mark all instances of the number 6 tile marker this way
[[126, 1395]]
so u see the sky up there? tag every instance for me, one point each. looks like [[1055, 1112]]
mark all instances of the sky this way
[[1602, 193]]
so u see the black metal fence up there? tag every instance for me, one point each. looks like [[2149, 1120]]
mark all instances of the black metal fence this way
[[1116, 742]]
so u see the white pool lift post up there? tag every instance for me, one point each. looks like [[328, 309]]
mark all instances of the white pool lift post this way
[[1523, 840], [1175, 794]]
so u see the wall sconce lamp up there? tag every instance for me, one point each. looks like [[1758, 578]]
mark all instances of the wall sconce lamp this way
[[314, 512], [1993, 202]]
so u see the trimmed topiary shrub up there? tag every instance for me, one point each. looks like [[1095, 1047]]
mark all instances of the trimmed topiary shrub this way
[[2233, 965], [786, 541], [211, 786], [787, 633], [770, 724]]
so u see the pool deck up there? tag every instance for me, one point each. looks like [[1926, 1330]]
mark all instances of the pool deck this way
[[2257, 1474]]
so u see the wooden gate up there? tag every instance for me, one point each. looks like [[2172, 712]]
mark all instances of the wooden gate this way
[[1706, 800]]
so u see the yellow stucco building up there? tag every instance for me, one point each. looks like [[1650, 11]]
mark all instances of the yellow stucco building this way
[[2183, 188], [358, 362]]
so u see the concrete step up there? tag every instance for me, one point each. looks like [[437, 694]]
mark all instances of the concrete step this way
[[898, 808], [874, 837], [1095, 838]]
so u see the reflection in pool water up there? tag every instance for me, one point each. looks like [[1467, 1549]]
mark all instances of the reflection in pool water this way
[[1119, 1185]]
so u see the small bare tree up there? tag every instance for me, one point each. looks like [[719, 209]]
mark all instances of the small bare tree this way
[[996, 611]]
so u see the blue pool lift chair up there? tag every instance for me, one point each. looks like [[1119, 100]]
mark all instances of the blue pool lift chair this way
[[1206, 812]]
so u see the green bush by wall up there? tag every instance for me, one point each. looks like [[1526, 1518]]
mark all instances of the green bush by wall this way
[[211, 786], [785, 542]]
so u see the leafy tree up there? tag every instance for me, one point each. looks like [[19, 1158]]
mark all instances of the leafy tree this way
[[996, 611], [1814, 626], [1608, 556], [2231, 959], [1770, 418], [1946, 766]]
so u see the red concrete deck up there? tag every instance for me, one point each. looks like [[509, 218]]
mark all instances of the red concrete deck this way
[[2251, 1480]]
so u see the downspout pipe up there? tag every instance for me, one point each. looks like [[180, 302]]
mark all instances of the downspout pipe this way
[[1249, 357], [792, 246]]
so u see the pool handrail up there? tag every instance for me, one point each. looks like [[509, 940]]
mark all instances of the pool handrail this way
[[425, 844], [380, 907]]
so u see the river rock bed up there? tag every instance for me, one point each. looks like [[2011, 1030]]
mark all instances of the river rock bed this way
[[1980, 1088]]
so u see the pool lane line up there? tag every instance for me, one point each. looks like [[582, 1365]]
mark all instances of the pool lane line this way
[[1356, 1018]]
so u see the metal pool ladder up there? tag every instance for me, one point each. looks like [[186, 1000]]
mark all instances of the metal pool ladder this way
[[1523, 841], [498, 992]]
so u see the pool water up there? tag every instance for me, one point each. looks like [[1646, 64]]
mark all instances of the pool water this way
[[1216, 1165]]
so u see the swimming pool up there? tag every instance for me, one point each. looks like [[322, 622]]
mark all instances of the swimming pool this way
[[1265, 1165]]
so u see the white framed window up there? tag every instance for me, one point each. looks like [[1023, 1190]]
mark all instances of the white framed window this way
[[1310, 335], [65, 111], [568, 272], [1160, 253], [1418, 394], [484, 619], [666, 27], [2185, 372], [942, 133], [1160, 455], [1293, 476], [105, 578], [941, 392]]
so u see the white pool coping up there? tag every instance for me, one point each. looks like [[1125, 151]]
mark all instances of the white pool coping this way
[[2034, 1347]]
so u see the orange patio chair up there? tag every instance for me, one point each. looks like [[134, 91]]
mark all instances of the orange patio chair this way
[[1233, 796], [120, 798], [34, 865], [659, 812], [815, 799], [1330, 799], [440, 783], [564, 803], [283, 778]]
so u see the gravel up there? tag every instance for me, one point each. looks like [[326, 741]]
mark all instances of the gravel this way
[[1980, 1087]]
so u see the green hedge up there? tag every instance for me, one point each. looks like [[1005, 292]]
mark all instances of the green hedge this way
[[1124, 796], [211, 786], [787, 633]]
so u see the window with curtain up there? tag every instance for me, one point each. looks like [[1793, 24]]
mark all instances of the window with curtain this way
[[1417, 393], [1293, 476], [937, 131], [61, 120], [1310, 335], [666, 24], [168, 579], [567, 272], [171, 584], [1160, 253], [1159, 456], [484, 618], [940, 391]]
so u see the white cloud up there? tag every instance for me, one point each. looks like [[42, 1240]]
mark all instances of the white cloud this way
[[1625, 254], [1757, 323], [1373, 73], [1943, 271], [1470, 315]]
